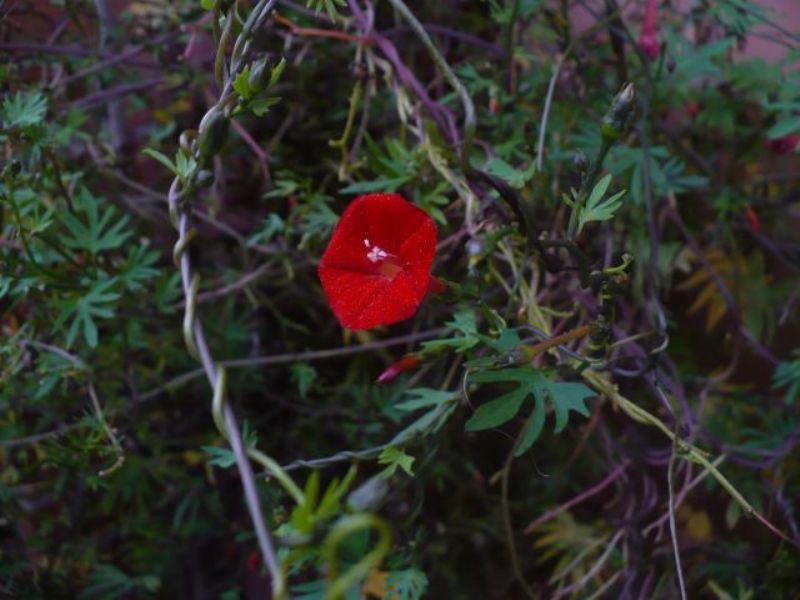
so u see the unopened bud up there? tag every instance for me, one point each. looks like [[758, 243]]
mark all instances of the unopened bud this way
[[617, 120], [408, 362], [648, 43], [581, 161], [259, 75], [212, 134]]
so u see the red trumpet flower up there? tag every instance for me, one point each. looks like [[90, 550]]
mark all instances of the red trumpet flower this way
[[376, 270]]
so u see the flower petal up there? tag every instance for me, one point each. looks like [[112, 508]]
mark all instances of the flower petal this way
[[376, 268]]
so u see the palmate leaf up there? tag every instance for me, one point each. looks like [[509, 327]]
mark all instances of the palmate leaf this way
[[98, 302], [531, 383], [409, 584], [463, 322], [25, 108], [598, 208], [101, 231]]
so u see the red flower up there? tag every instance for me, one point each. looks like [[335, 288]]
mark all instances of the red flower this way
[[648, 40], [784, 145], [752, 219], [377, 267]]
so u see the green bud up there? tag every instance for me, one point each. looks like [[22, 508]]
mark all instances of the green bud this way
[[581, 161], [259, 75], [213, 132], [619, 117]]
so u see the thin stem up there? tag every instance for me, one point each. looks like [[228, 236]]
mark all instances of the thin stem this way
[[548, 100], [455, 83], [672, 527], [507, 524], [585, 495]]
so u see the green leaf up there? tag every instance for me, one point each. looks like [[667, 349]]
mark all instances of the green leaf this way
[[261, 106], [409, 584], [378, 185], [303, 376], [533, 427], [100, 232], [25, 108], [220, 457], [787, 375], [328, 5], [160, 157], [784, 127], [463, 321], [496, 412], [394, 457], [531, 383], [241, 84], [276, 72], [430, 422], [426, 397], [597, 208], [565, 397], [514, 177]]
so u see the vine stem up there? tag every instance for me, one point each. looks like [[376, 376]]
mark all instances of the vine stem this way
[[193, 331], [507, 524], [683, 449], [455, 82], [577, 333], [672, 526], [194, 336]]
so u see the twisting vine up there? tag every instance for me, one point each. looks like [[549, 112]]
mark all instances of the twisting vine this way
[[202, 145]]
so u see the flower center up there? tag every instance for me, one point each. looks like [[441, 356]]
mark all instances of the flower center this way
[[385, 263]]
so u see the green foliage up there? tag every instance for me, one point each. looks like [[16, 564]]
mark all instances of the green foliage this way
[[787, 375], [562, 396], [94, 371], [598, 207], [24, 109], [107, 581]]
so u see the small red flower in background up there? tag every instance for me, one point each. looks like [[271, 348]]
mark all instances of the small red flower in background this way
[[752, 219], [648, 40], [408, 362], [784, 145], [376, 270]]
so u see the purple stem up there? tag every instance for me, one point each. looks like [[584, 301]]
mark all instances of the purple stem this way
[[444, 118], [450, 33], [595, 489]]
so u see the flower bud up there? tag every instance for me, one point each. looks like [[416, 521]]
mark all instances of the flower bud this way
[[752, 219], [212, 134], [649, 44], [259, 75], [617, 120], [408, 362], [581, 161]]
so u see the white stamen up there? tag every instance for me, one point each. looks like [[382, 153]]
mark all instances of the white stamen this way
[[377, 254]]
